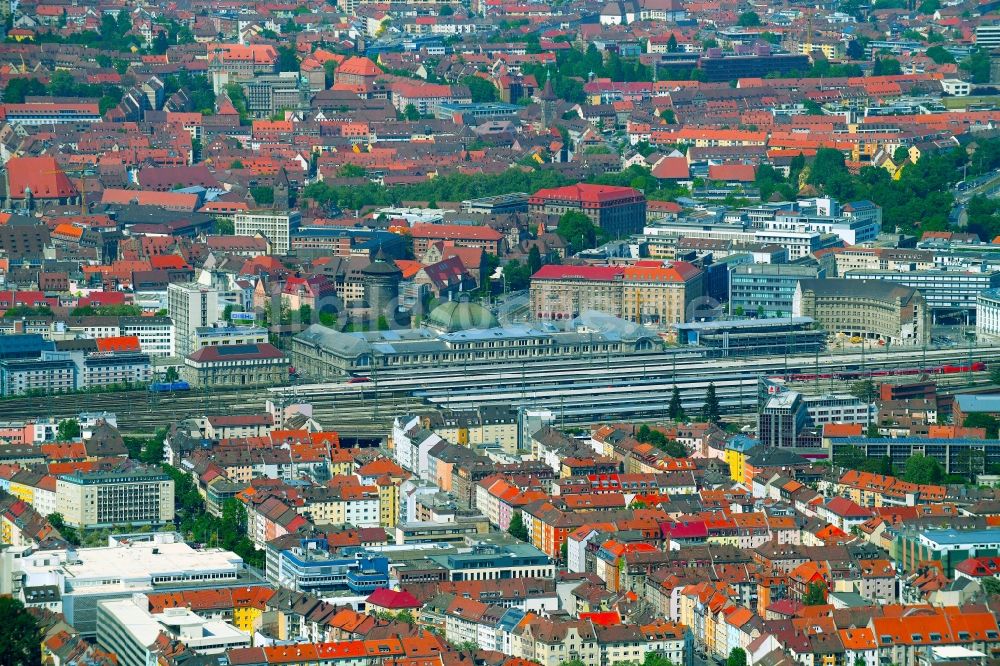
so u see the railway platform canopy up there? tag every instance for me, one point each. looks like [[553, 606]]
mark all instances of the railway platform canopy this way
[[321, 351]]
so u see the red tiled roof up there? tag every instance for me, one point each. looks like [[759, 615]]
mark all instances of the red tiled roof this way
[[118, 343], [587, 193], [455, 231], [42, 175], [387, 598]]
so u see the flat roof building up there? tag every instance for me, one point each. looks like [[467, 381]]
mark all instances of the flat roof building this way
[[86, 576], [127, 628]]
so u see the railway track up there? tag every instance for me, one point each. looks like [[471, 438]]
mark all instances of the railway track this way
[[581, 390]]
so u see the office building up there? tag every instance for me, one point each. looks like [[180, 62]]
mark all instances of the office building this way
[[51, 372], [618, 211], [308, 565], [887, 259], [229, 63], [869, 309], [191, 306], [915, 545], [156, 334], [222, 334], [953, 454], [943, 290], [127, 628], [140, 563], [275, 226], [648, 292], [988, 315], [758, 63], [486, 238], [754, 337], [766, 290], [115, 369], [485, 561], [269, 93], [783, 417], [502, 204], [988, 36], [126, 496], [236, 365], [841, 408]]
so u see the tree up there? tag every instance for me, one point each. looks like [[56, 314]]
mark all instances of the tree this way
[[534, 259], [922, 469], [564, 551], [969, 462], [59, 523], [901, 154], [288, 61], [516, 275], [812, 107], [671, 43], [20, 642], [987, 421], [990, 585], [481, 90], [855, 49], [675, 449], [815, 594], [977, 66], [446, 11], [710, 408], [67, 430], [225, 227], [737, 657], [887, 67], [655, 659], [748, 20], [576, 229], [411, 113], [929, 6], [517, 528], [940, 55], [864, 390], [17, 89], [262, 194], [676, 409]]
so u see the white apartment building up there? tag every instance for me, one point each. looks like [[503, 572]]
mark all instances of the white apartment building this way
[[142, 496], [156, 334], [86, 576], [276, 227], [191, 306], [127, 628], [988, 314]]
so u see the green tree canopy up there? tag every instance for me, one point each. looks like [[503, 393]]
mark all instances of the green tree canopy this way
[[923, 469], [710, 408], [737, 657], [887, 67], [940, 55], [68, 429], [20, 639], [517, 528], [577, 230], [815, 594], [481, 89], [748, 20]]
